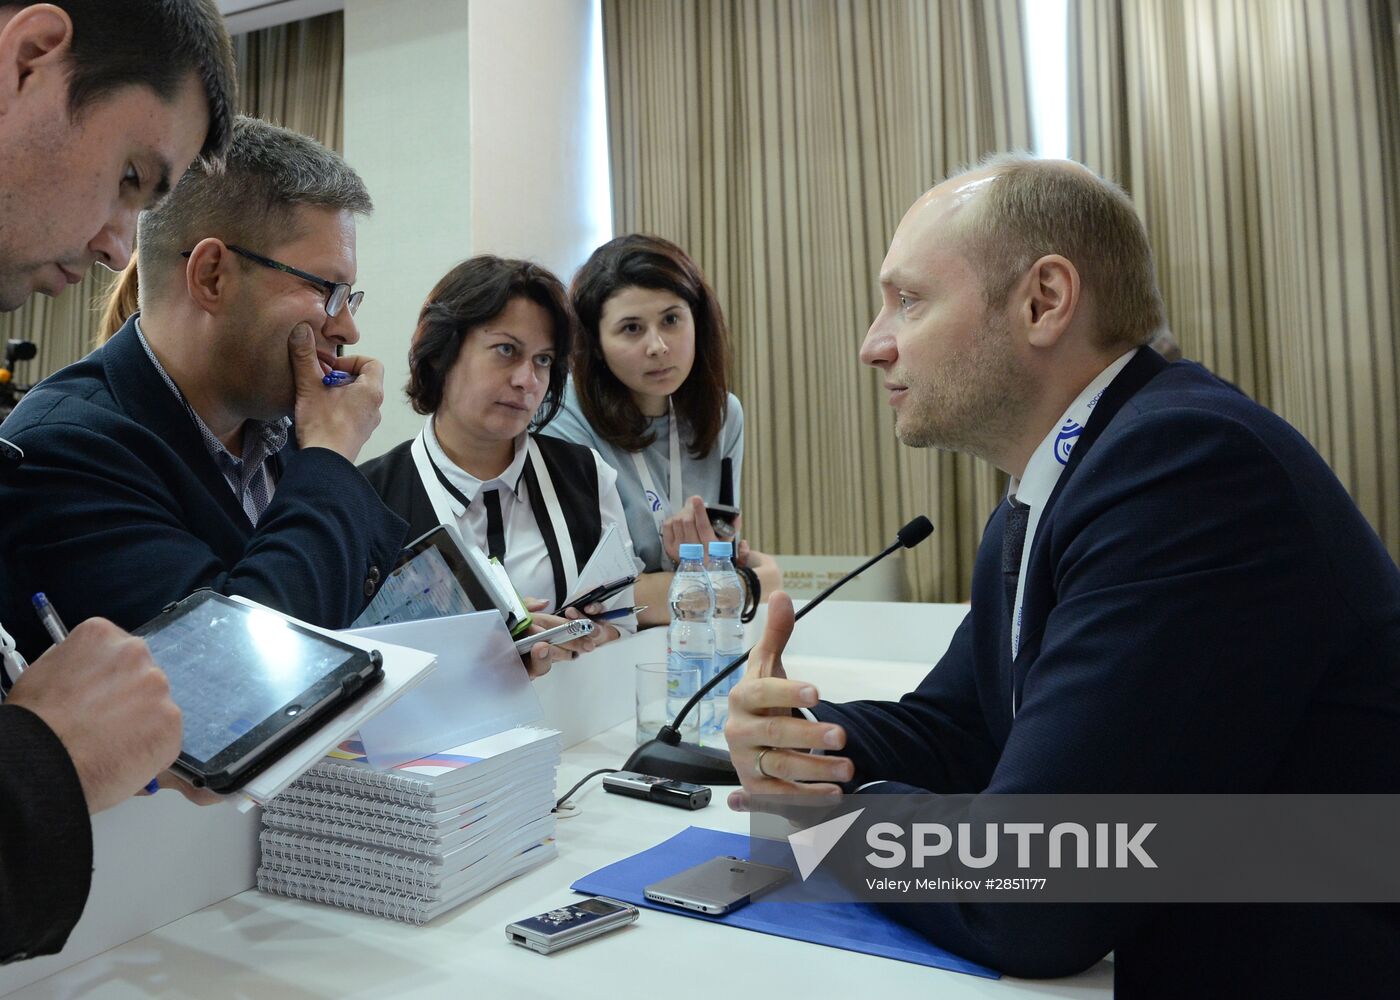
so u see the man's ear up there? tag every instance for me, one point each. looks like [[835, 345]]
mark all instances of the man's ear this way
[[34, 51], [1052, 299], [209, 275]]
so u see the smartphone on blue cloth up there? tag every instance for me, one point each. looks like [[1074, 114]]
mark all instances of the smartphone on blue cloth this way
[[717, 887]]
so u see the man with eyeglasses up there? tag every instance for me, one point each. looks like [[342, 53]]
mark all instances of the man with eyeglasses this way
[[201, 445]]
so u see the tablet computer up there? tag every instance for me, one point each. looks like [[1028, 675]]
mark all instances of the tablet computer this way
[[250, 682], [439, 576]]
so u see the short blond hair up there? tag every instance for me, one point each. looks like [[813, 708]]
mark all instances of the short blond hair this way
[[1036, 207]]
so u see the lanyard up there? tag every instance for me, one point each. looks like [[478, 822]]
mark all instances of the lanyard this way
[[448, 509], [565, 551], [1043, 472], [654, 501]]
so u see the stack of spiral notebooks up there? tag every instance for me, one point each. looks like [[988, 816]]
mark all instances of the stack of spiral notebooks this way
[[413, 841]]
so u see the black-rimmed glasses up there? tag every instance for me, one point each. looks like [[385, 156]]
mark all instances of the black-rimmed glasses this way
[[338, 293]]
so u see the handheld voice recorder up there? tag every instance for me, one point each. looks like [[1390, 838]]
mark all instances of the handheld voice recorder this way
[[667, 791], [568, 925]]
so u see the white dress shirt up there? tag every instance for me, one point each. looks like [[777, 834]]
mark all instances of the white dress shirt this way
[[527, 561]]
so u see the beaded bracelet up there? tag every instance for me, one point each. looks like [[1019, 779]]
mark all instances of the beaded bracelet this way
[[753, 590]]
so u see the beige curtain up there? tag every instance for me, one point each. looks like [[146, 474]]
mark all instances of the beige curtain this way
[[1260, 140], [780, 142], [289, 74], [292, 75]]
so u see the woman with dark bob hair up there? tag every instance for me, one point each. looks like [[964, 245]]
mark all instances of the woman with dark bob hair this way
[[487, 368], [649, 390]]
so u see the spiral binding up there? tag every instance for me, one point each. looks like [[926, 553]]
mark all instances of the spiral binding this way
[[383, 831], [395, 904]]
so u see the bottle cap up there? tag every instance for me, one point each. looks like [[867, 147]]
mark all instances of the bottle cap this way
[[692, 550], [721, 550]]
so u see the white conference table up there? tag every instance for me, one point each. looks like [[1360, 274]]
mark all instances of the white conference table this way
[[256, 945]]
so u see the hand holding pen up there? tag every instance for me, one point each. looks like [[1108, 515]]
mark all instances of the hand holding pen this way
[[100, 692], [343, 419], [58, 632]]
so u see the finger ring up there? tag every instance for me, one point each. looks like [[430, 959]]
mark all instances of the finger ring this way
[[758, 763]]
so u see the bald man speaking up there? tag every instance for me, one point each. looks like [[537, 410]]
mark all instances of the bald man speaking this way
[[1177, 595]]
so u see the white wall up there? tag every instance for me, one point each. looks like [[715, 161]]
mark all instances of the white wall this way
[[407, 133], [531, 148], [469, 124]]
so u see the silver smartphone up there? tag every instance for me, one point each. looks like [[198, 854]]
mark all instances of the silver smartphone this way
[[717, 887], [556, 636], [568, 925]]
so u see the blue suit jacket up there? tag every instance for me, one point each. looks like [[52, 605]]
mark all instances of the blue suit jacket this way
[[118, 509], [1205, 610]]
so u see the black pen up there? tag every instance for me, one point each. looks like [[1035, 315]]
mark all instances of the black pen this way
[[609, 616]]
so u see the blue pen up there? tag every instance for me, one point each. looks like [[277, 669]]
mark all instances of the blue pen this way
[[335, 378], [612, 616], [58, 632], [48, 617]]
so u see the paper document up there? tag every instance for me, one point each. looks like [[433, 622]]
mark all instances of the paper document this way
[[611, 561], [480, 687], [403, 668]]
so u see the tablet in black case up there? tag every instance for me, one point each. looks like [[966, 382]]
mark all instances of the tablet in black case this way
[[250, 683]]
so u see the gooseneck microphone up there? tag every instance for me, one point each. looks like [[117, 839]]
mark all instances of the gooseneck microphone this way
[[667, 756]]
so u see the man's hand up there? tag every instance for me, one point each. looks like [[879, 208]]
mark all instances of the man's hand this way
[[340, 418], [689, 525], [108, 702], [762, 720]]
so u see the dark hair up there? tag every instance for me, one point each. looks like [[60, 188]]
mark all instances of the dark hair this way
[[472, 293], [251, 199], [155, 44], [642, 261]]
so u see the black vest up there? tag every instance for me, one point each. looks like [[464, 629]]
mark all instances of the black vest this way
[[394, 477]]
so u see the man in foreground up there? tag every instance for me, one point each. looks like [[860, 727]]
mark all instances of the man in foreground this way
[[102, 108], [1177, 595]]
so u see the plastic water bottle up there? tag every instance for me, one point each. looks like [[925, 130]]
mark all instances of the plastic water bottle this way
[[729, 630], [690, 639]]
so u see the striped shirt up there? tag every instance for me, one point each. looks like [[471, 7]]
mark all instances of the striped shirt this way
[[251, 476]]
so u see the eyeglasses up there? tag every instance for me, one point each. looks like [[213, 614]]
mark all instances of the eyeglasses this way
[[338, 293]]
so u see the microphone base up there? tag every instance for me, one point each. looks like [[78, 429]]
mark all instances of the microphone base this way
[[683, 762]]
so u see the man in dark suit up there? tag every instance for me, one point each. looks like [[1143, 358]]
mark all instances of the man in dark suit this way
[[1177, 595], [168, 460], [104, 106]]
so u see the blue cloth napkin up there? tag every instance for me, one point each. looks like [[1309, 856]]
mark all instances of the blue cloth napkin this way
[[853, 926]]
